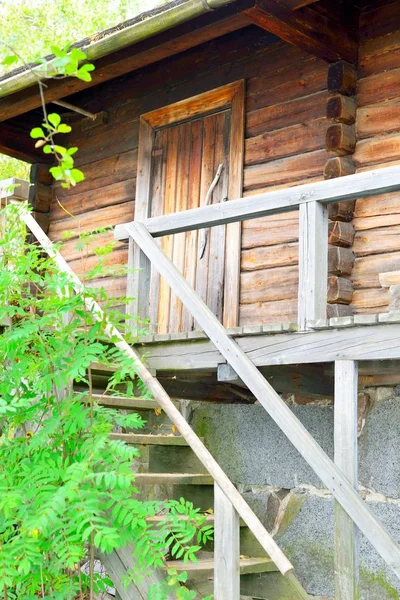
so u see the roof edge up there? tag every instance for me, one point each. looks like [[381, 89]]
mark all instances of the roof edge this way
[[144, 26]]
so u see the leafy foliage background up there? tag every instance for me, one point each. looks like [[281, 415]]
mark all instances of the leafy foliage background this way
[[32, 26]]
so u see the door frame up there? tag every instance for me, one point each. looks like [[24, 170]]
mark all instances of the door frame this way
[[228, 96]]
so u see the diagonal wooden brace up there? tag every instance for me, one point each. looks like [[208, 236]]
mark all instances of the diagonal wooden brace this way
[[302, 440]]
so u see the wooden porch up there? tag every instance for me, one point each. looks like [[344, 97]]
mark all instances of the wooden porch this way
[[243, 356]]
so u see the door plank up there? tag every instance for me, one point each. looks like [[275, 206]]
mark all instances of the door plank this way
[[217, 235], [207, 175], [167, 243], [157, 205], [196, 151], [234, 230], [182, 174]]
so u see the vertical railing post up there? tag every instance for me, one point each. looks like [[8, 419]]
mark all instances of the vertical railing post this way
[[345, 433], [313, 262], [226, 548], [137, 287]]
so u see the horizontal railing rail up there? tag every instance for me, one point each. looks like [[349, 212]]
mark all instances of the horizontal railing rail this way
[[310, 199], [351, 187]]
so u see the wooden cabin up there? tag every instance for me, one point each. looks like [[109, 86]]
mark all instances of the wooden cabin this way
[[225, 127]]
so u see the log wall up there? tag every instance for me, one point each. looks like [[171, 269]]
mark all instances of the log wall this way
[[285, 145], [377, 220]]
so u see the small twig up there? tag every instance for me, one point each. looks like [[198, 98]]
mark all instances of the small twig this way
[[204, 232]]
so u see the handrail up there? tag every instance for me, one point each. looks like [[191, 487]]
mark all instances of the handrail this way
[[342, 189], [322, 465], [158, 392]]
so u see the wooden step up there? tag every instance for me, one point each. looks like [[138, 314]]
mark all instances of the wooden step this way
[[174, 478], [204, 567], [209, 519], [125, 403], [150, 439]]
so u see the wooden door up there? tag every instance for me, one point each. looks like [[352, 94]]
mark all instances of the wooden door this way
[[182, 150]]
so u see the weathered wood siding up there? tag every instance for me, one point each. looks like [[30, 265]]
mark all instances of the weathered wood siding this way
[[285, 139], [377, 220]]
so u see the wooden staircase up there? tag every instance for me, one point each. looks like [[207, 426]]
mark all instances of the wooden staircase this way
[[174, 471]]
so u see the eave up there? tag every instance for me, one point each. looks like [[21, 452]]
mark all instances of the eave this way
[[294, 21]]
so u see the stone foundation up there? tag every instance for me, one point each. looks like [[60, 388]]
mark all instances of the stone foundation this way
[[289, 498]]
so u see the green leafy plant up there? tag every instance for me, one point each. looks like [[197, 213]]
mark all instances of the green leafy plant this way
[[67, 489]]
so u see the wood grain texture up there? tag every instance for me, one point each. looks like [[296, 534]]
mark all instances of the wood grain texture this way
[[226, 548], [303, 29], [313, 263], [340, 290], [342, 78], [339, 166], [340, 139], [346, 553], [275, 406], [341, 109], [235, 190]]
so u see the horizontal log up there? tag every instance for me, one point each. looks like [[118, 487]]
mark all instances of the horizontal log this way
[[269, 285], [270, 231], [286, 114], [288, 141], [339, 166], [282, 186], [124, 137], [269, 256], [370, 298], [99, 197], [365, 223], [379, 54], [302, 79], [341, 109], [117, 258], [102, 217], [376, 150], [378, 88], [377, 241], [367, 269], [342, 78], [268, 312], [285, 170], [284, 59], [382, 204], [334, 190], [114, 287], [340, 139], [388, 279], [101, 173], [341, 234], [75, 248], [340, 290], [341, 211], [378, 120], [379, 19], [340, 260]]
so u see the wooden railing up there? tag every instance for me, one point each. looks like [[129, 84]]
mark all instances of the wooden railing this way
[[311, 200], [340, 478]]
